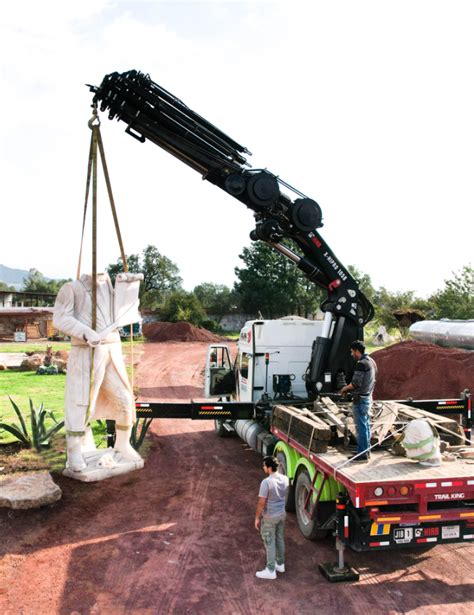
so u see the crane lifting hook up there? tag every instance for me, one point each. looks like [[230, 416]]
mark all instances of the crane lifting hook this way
[[94, 121]]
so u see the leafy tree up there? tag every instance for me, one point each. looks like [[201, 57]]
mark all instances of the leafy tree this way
[[399, 309], [456, 299], [160, 275], [182, 306], [270, 284], [387, 302], [217, 299], [35, 282], [6, 287]]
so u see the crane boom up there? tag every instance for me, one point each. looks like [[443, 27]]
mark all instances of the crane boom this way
[[281, 212]]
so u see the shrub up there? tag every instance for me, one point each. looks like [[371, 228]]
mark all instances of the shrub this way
[[37, 436]]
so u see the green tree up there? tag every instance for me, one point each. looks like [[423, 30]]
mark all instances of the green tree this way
[[387, 302], [217, 299], [35, 282], [5, 287], [160, 275], [456, 299], [272, 285], [182, 306]]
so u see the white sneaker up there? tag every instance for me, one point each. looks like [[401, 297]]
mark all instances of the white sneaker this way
[[266, 574], [280, 567]]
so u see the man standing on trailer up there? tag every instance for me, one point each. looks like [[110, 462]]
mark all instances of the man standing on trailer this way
[[362, 387], [270, 517]]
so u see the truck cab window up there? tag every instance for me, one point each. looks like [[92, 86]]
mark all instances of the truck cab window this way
[[244, 365]]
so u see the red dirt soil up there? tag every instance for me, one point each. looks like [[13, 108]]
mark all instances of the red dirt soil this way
[[178, 332], [177, 537], [422, 371]]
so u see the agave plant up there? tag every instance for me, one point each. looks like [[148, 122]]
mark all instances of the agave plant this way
[[138, 434], [36, 436]]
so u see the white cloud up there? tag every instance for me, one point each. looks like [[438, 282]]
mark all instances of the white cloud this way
[[366, 106]]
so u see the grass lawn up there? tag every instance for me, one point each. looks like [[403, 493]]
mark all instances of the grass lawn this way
[[33, 346], [22, 386]]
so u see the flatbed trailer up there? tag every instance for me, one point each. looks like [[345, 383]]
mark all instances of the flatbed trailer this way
[[390, 493], [391, 502]]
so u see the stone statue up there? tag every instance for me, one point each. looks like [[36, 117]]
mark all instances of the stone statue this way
[[97, 384]]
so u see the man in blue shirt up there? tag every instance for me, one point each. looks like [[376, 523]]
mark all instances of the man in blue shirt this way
[[270, 517], [362, 386]]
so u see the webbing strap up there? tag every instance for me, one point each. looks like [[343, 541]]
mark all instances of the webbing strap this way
[[111, 199], [96, 140], [88, 183]]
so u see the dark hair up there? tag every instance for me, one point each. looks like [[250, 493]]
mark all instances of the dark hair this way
[[271, 462], [357, 345]]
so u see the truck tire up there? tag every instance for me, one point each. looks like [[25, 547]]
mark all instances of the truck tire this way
[[290, 497], [219, 428], [308, 527]]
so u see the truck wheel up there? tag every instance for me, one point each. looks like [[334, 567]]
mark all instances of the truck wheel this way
[[308, 527], [219, 428], [290, 497]]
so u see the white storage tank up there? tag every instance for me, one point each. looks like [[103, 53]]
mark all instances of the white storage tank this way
[[444, 332]]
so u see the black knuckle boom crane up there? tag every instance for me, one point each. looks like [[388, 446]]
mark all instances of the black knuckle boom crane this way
[[397, 506], [153, 113]]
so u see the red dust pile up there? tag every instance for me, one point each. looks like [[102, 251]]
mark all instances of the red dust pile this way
[[422, 371], [178, 332]]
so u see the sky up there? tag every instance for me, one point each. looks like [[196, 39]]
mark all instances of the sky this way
[[366, 107]]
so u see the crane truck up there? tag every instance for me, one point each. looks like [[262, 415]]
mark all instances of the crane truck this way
[[288, 373]]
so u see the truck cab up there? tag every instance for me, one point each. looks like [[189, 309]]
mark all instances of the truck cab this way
[[271, 362]]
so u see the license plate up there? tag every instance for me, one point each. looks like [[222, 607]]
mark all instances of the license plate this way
[[403, 535], [450, 531]]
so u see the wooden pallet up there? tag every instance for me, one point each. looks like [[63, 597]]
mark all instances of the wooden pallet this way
[[303, 426]]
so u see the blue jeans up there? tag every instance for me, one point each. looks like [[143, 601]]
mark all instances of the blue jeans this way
[[360, 410]]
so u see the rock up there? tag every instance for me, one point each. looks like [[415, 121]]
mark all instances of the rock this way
[[30, 490], [62, 355], [61, 365], [381, 337], [31, 364], [2, 367]]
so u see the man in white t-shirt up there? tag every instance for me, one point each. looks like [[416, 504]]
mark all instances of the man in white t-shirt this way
[[270, 517]]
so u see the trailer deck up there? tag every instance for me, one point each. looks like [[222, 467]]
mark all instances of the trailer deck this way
[[384, 466]]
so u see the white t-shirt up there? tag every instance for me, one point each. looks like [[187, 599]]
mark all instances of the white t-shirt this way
[[274, 488]]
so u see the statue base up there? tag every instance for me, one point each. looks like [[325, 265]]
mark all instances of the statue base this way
[[102, 464]]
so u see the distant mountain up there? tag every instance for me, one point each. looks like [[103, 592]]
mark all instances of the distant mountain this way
[[13, 277]]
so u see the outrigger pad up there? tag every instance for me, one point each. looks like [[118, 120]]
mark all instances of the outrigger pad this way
[[334, 574]]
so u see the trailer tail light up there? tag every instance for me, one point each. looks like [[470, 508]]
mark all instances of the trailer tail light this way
[[378, 491], [404, 490], [391, 491]]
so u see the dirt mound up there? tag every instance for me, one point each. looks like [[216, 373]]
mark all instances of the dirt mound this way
[[178, 332], [422, 371]]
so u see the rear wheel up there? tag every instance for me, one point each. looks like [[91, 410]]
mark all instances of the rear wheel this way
[[308, 526], [283, 468], [219, 428]]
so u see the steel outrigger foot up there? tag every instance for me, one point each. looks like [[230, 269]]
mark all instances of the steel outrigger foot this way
[[339, 571]]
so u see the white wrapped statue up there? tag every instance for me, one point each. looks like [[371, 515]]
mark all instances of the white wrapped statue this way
[[422, 442], [97, 384]]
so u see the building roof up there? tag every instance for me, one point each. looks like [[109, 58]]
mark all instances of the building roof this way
[[26, 311]]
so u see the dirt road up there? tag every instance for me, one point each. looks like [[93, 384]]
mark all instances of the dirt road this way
[[177, 537]]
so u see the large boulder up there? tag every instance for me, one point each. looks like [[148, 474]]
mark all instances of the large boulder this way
[[62, 355], [381, 337], [31, 364], [61, 365], [30, 490]]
